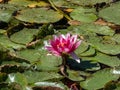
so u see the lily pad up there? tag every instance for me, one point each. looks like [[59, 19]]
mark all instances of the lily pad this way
[[5, 15], [116, 38], [88, 2], [101, 77], [27, 36], [52, 85], [111, 61], [111, 17], [86, 15], [28, 3], [6, 43], [34, 77], [74, 75], [82, 48], [41, 15], [48, 62], [30, 55], [18, 78], [92, 28], [89, 52]]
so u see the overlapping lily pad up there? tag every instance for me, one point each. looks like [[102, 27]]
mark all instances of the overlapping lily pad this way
[[39, 15], [6, 43], [27, 35]]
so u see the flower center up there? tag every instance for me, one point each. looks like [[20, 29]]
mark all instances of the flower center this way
[[61, 45]]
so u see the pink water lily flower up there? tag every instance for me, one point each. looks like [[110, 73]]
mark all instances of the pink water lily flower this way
[[64, 44]]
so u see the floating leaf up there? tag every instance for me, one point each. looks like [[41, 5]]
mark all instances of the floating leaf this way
[[88, 2], [34, 77], [30, 55], [52, 85], [6, 43], [39, 15], [82, 48], [89, 52], [105, 59], [74, 75], [111, 17], [5, 15], [27, 36], [101, 77], [83, 15], [116, 38], [102, 30], [17, 78], [28, 3], [48, 62]]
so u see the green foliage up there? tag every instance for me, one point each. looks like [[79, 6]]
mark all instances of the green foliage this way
[[85, 15], [111, 17], [41, 15], [26, 25], [101, 77]]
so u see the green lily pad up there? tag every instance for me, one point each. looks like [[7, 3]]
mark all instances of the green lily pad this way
[[6, 12], [41, 59], [19, 79], [88, 2], [27, 3], [82, 48], [74, 75], [52, 85], [34, 77], [105, 46], [39, 15], [27, 36], [6, 43], [48, 62], [83, 14], [30, 55], [5, 15], [111, 17], [101, 77], [92, 28], [89, 52], [111, 61], [116, 38]]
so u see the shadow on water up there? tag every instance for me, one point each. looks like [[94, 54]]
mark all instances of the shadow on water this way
[[83, 65]]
